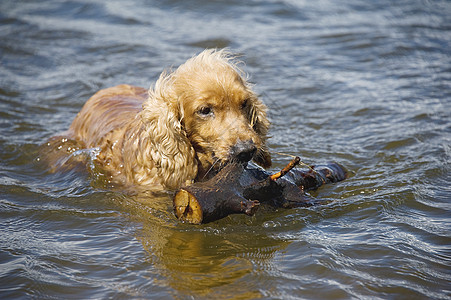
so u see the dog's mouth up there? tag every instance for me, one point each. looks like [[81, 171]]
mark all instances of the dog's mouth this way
[[241, 153]]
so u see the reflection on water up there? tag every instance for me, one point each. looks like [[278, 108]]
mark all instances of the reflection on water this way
[[216, 260], [363, 83], [202, 263]]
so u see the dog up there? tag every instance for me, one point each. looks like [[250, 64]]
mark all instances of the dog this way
[[185, 128]]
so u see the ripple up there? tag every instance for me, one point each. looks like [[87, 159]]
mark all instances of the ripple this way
[[362, 83], [211, 43]]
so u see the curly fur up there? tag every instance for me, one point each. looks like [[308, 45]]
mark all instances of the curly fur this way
[[180, 130]]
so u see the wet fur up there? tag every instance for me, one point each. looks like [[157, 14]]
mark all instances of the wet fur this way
[[162, 137]]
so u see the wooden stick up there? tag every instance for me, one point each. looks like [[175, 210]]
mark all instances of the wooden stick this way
[[236, 189], [286, 169]]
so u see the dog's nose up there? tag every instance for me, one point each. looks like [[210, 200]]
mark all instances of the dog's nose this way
[[243, 151]]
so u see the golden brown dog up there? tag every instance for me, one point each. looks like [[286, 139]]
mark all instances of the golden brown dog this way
[[192, 122]]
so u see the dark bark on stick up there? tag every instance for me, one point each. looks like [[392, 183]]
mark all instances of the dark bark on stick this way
[[236, 189], [214, 199]]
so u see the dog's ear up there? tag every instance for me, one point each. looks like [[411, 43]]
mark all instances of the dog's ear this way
[[171, 151], [260, 123]]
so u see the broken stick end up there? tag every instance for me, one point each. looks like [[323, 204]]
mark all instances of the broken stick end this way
[[187, 208], [250, 207]]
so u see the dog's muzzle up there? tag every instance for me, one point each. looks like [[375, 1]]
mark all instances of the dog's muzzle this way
[[243, 151]]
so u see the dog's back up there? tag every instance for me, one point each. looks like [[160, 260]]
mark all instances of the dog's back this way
[[106, 122], [106, 111]]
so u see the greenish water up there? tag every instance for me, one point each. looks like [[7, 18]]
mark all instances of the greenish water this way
[[362, 83]]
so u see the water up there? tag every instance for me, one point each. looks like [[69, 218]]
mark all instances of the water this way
[[362, 83]]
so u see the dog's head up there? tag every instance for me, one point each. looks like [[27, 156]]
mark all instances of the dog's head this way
[[219, 113]]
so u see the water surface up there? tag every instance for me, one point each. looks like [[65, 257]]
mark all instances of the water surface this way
[[362, 83]]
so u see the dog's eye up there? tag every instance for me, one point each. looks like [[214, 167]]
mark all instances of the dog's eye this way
[[205, 111]]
